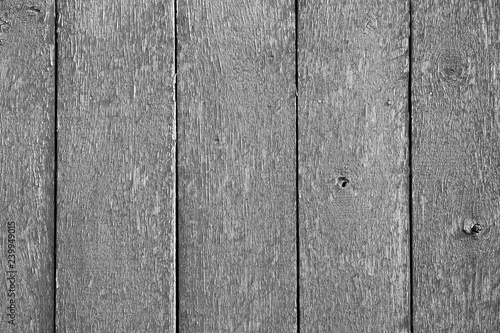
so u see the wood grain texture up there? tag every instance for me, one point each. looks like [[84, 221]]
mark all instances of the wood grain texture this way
[[116, 161], [353, 166], [27, 125], [456, 158], [236, 121]]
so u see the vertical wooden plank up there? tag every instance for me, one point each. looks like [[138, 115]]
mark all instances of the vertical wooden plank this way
[[353, 166], [456, 156], [116, 185], [27, 165], [236, 116]]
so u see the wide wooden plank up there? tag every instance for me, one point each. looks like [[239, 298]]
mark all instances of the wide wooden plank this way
[[116, 161], [456, 158], [236, 166], [353, 166], [27, 128]]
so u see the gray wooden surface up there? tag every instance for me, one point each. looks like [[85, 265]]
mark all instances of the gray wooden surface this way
[[456, 127], [179, 137], [116, 189], [236, 166], [27, 163], [353, 166]]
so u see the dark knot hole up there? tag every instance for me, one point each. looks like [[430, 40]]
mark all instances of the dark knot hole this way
[[342, 182]]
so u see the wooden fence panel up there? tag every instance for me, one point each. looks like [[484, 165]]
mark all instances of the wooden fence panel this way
[[27, 138], [240, 135], [116, 161], [456, 127], [353, 166], [236, 121]]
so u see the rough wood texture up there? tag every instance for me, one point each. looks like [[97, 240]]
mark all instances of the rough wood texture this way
[[353, 166], [236, 120], [456, 156], [27, 162], [116, 182]]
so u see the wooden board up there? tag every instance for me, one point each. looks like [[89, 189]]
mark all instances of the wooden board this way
[[456, 158], [27, 125], [353, 166], [236, 166], [116, 161]]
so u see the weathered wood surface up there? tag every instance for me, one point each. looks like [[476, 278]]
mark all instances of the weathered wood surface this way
[[236, 122], [116, 161], [353, 166], [456, 132], [27, 163]]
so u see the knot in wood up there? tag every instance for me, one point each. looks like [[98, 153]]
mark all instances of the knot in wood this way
[[453, 68]]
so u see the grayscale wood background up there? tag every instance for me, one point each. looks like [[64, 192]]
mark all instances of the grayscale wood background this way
[[250, 166]]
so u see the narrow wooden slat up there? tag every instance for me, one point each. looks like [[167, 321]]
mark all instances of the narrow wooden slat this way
[[353, 166], [27, 125], [236, 120], [456, 158], [116, 162]]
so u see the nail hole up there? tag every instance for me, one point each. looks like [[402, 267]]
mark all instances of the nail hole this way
[[342, 182], [477, 228], [472, 228]]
